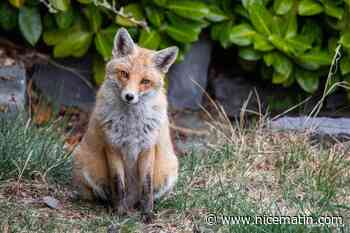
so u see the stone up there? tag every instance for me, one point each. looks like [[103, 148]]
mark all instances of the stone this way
[[51, 202], [12, 88], [316, 125], [191, 132], [231, 92], [67, 82], [184, 78]]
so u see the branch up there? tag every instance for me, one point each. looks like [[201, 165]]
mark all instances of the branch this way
[[49, 6], [120, 12]]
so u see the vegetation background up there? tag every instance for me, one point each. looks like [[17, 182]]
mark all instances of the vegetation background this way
[[288, 41]]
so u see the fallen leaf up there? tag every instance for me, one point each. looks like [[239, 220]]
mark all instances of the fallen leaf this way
[[42, 113]]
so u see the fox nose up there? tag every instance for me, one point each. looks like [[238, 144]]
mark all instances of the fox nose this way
[[129, 97]]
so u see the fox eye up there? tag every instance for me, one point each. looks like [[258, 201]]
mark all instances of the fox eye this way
[[123, 74], [145, 81]]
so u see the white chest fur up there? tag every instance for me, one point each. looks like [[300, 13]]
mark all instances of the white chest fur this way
[[132, 128]]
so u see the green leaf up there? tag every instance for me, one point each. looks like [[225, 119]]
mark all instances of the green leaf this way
[[345, 65], [30, 24], [312, 32], [279, 78], [332, 9], [85, 1], [260, 17], [155, 16], [64, 19], [309, 7], [276, 28], [76, 44], [307, 80], [61, 5], [282, 7], [194, 10], [291, 46], [161, 3], [181, 34], [281, 44], [103, 46], [149, 39], [281, 64], [345, 39], [298, 44], [17, 3], [242, 34], [181, 22], [289, 81], [104, 41], [314, 59], [249, 54], [241, 11], [292, 25], [98, 70], [53, 37], [262, 44], [216, 14], [94, 16], [134, 10], [8, 16], [222, 33]]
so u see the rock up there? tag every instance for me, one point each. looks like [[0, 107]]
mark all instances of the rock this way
[[12, 88], [191, 132], [317, 125], [232, 92], [183, 92], [51, 202], [66, 83]]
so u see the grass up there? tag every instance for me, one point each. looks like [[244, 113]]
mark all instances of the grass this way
[[27, 150], [250, 172]]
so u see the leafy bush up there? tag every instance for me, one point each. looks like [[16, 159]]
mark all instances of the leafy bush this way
[[290, 40]]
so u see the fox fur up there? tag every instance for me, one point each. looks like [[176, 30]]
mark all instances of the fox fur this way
[[126, 156]]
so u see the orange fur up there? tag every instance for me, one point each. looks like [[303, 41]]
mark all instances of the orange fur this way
[[100, 169]]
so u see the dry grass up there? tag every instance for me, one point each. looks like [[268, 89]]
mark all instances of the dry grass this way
[[249, 171]]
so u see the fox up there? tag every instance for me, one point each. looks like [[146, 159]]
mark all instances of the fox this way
[[126, 157]]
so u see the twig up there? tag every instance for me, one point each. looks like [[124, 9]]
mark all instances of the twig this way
[[328, 89], [120, 12], [188, 131], [49, 6]]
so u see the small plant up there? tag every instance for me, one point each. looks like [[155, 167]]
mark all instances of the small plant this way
[[27, 150]]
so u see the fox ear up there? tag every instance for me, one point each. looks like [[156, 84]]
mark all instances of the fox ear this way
[[123, 43], [165, 58]]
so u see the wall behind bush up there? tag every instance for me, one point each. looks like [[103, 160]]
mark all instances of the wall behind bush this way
[[292, 41]]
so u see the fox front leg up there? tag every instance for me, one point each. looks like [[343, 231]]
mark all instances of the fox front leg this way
[[146, 170], [117, 182]]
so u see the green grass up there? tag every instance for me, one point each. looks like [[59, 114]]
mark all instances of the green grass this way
[[27, 150], [253, 172]]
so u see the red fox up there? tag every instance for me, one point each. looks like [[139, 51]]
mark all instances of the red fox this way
[[126, 156]]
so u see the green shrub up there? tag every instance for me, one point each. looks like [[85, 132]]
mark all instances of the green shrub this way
[[27, 150], [290, 40]]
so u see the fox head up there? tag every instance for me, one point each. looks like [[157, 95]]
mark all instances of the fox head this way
[[137, 72]]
